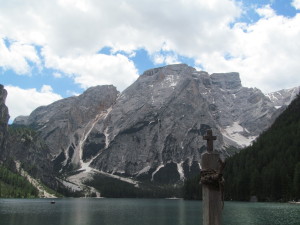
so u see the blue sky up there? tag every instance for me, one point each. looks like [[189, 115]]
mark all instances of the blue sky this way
[[62, 47]]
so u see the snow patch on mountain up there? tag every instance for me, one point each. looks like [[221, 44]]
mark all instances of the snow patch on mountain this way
[[237, 134], [171, 80], [77, 182], [180, 170], [283, 97], [144, 170], [157, 169], [125, 179]]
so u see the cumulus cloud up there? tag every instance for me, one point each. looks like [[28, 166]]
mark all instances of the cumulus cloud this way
[[57, 75], [206, 31], [86, 26], [17, 57], [165, 58], [23, 101], [265, 53], [94, 69], [296, 4], [80, 28]]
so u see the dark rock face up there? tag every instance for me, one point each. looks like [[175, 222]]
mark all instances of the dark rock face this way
[[23, 145], [4, 117]]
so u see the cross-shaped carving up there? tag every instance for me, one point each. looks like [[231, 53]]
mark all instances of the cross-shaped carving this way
[[209, 138]]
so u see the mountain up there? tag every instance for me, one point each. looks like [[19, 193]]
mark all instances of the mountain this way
[[156, 123], [26, 165], [11, 183], [283, 97], [270, 168], [64, 125], [152, 130]]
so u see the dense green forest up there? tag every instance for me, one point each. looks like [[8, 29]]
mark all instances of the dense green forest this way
[[114, 188], [270, 167], [192, 190], [13, 185]]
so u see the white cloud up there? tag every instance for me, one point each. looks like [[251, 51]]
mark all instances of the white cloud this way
[[165, 58], [57, 75], [296, 4], [72, 93], [80, 28], [17, 57], [265, 53], [266, 11], [84, 26], [23, 101], [94, 69], [46, 89]]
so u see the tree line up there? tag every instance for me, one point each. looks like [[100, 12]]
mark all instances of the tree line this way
[[268, 169], [13, 185]]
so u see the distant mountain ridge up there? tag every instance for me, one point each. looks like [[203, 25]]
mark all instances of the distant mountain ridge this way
[[283, 97], [152, 130]]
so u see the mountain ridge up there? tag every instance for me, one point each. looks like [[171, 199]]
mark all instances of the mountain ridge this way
[[152, 130], [153, 126]]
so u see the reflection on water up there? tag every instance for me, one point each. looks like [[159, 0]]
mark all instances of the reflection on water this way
[[139, 212], [261, 213]]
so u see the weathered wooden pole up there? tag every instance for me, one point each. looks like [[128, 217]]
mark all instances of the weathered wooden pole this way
[[212, 183]]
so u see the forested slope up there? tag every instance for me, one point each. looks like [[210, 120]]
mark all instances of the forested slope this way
[[12, 185], [270, 167]]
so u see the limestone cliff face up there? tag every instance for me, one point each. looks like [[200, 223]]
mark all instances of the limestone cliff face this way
[[152, 130], [241, 113], [283, 97], [64, 124], [156, 125], [4, 117]]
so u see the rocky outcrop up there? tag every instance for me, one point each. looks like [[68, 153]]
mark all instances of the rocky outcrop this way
[[4, 117]]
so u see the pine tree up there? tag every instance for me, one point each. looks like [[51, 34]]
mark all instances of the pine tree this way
[[296, 183]]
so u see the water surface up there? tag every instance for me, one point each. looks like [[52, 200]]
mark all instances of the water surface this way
[[139, 212]]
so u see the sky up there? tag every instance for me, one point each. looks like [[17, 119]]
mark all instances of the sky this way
[[55, 49]]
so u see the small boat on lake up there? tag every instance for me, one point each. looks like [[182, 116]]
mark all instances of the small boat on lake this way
[[294, 202]]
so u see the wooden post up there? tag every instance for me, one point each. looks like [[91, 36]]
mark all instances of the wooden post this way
[[211, 179]]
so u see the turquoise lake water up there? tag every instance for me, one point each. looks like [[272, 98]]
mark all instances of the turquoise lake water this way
[[139, 212]]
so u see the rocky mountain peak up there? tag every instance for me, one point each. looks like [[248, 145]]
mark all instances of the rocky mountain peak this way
[[170, 69], [226, 80]]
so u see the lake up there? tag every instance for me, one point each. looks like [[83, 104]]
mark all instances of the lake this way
[[78, 211]]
